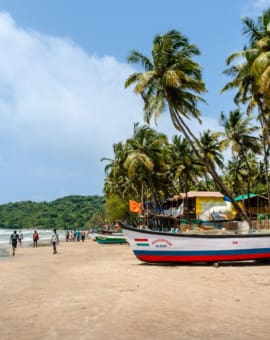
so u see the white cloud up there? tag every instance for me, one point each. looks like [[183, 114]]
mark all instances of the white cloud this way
[[61, 111], [57, 103], [54, 95]]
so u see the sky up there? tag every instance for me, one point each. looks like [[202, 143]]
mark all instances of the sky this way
[[63, 65]]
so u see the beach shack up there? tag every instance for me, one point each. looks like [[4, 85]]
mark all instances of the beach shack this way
[[255, 205], [205, 205]]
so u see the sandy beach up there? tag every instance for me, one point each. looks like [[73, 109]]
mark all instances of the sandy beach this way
[[93, 291]]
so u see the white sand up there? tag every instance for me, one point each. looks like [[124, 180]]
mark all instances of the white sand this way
[[92, 291]]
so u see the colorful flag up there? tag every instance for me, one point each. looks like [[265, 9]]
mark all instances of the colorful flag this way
[[135, 206]]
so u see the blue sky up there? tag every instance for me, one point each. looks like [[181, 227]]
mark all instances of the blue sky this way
[[62, 72]]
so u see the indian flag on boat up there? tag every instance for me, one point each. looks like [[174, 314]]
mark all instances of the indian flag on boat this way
[[142, 242]]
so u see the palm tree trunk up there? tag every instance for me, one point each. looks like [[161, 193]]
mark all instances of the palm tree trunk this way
[[266, 141], [248, 185], [152, 186], [181, 126]]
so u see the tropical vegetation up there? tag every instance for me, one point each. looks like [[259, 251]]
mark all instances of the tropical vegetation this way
[[149, 166], [250, 77], [69, 212]]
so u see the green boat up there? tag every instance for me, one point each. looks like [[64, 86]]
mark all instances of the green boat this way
[[106, 239]]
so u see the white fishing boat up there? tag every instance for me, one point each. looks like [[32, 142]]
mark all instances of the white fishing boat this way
[[166, 247]]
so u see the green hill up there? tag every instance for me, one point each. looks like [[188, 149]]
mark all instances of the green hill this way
[[68, 212]]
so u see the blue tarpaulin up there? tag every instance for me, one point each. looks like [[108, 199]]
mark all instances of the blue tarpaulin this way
[[244, 197]]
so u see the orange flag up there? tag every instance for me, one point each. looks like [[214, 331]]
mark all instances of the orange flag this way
[[135, 206]]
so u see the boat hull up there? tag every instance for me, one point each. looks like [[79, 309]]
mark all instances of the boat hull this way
[[110, 239], [158, 247]]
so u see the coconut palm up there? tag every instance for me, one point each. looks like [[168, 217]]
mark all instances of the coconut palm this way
[[252, 74], [117, 181], [235, 175], [259, 36], [172, 79], [259, 178], [184, 167], [145, 157], [212, 147], [251, 77], [239, 135]]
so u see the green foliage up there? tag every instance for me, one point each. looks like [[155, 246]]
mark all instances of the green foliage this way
[[69, 212], [173, 80], [97, 219], [116, 208]]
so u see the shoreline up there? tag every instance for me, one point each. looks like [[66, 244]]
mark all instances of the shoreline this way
[[44, 240], [6, 251], [94, 291]]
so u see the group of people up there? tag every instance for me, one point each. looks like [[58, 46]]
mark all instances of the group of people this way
[[76, 235], [16, 238]]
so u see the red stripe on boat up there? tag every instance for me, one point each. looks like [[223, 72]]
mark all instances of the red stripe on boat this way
[[141, 239], [201, 258]]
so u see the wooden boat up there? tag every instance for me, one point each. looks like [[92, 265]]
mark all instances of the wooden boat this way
[[93, 236], [120, 239], [166, 247]]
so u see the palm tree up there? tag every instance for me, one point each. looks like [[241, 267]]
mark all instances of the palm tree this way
[[145, 157], [259, 177], [251, 77], [212, 148], [184, 167], [117, 181], [252, 74], [238, 134], [173, 80], [235, 175], [259, 36]]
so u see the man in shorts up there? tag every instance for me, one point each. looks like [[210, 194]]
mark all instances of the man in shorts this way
[[54, 240], [35, 239], [14, 240]]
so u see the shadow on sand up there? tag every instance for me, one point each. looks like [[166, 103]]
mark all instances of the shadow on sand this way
[[252, 263]]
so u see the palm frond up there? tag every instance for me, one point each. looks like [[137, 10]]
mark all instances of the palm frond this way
[[135, 57]]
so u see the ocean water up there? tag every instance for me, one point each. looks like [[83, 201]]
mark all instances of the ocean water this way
[[44, 237]]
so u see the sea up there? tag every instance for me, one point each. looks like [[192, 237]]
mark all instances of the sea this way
[[44, 238]]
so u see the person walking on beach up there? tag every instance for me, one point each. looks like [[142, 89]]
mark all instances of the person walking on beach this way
[[83, 235], [54, 241], [13, 240], [20, 237], [71, 236], [78, 235], [35, 239]]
